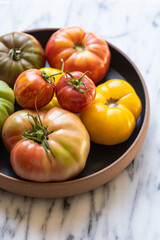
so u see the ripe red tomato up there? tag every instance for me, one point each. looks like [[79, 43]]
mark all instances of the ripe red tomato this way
[[53, 146], [75, 91], [81, 51], [32, 86]]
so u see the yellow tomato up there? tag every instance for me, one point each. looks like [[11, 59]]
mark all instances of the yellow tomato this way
[[112, 117], [53, 103], [49, 71]]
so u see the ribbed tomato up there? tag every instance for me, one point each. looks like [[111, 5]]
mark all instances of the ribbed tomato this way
[[112, 117], [81, 51], [51, 146], [19, 52]]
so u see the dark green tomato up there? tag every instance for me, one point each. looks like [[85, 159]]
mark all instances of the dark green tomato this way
[[19, 52]]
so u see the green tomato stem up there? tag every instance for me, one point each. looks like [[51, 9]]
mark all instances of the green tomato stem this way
[[76, 82], [15, 54], [47, 78], [38, 133]]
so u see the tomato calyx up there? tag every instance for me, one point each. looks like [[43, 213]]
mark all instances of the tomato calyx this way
[[79, 47], [38, 133], [112, 102], [48, 78], [76, 82], [15, 54]]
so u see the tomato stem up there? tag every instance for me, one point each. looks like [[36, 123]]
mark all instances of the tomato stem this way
[[38, 132], [79, 47], [47, 77], [112, 102], [76, 82], [15, 54]]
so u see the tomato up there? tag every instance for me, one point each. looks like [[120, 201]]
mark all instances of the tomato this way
[[81, 51], [19, 52], [75, 91], [53, 103], [34, 85], [112, 117], [52, 71], [6, 102], [50, 146]]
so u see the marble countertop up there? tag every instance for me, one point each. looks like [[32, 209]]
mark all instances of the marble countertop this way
[[128, 207]]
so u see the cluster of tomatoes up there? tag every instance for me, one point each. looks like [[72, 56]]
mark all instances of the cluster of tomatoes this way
[[47, 140], [74, 91], [83, 54]]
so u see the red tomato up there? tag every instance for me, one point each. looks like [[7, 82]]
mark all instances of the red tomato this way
[[75, 91], [32, 86], [54, 149], [81, 51]]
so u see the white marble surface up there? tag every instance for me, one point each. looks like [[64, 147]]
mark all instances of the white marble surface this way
[[128, 207]]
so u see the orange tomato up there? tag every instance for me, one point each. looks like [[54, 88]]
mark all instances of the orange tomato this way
[[81, 51]]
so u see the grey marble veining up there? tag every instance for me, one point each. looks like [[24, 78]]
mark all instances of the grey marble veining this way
[[128, 207]]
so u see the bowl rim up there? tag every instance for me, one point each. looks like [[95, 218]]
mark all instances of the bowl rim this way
[[133, 149]]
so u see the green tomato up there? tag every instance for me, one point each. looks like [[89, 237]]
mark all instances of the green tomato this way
[[6, 102], [18, 52]]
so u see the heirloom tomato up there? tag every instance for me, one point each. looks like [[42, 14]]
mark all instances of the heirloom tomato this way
[[75, 91], [46, 146], [112, 117], [81, 51], [19, 52], [6, 102], [52, 71], [34, 85]]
